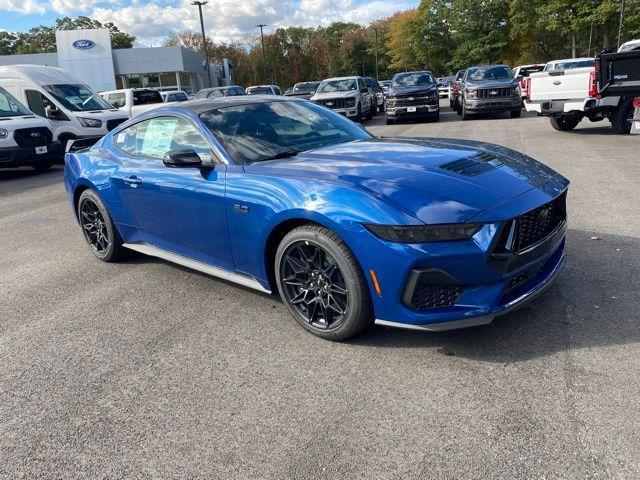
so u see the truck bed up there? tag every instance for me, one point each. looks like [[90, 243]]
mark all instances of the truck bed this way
[[565, 85]]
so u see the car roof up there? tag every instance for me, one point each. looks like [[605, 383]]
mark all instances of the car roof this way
[[202, 105], [341, 78]]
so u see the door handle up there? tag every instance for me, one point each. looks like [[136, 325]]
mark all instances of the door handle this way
[[557, 82], [133, 181]]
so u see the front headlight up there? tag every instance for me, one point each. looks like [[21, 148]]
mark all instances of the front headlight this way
[[90, 122], [4, 133], [351, 102], [515, 91], [391, 101], [472, 94], [444, 232]]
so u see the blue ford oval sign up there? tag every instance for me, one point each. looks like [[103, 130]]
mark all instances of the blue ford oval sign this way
[[83, 44]]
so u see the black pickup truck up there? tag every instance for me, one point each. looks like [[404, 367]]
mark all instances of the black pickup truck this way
[[618, 75]]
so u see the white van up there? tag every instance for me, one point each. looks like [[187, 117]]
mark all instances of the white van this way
[[25, 139], [133, 101], [74, 110]]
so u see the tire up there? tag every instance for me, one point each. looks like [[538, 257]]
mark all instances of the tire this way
[[359, 113], [564, 123], [516, 113], [346, 275], [458, 108], [434, 117], [622, 117], [370, 112], [42, 167], [381, 108], [110, 250], [390, 121]]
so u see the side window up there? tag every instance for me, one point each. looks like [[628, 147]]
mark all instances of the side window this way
[[117, 99], [126, 139], [37, 102], [361, 83], [158, 136]]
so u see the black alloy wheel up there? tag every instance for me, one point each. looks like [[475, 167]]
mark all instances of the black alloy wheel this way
[[98, 228], [322, 284], [314, 285], [94, 226]]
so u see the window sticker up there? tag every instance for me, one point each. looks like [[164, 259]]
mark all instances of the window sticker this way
[[157, 138]]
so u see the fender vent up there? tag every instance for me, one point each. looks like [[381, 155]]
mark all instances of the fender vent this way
[[474, 164]]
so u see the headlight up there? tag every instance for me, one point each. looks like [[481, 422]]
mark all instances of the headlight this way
[[472, 94], [90, 122], [424, 233], [515, 91], [4, 133], [351, 102], [391, 101]]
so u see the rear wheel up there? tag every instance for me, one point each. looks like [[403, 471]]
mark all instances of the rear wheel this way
[[564, 123], [98, 228], [390, 121], [322, 284], [622, 118], [370, 112], [516, 113]]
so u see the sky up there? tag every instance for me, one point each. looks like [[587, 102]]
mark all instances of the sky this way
[[151, 21]]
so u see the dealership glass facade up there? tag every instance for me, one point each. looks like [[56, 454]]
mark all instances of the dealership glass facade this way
[[161, 81]]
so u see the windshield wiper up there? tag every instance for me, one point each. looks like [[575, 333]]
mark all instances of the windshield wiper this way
[[283, 154]]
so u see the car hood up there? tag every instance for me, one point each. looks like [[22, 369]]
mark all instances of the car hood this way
[[409, 174], [491, 84], [412, 90], [324, 95]]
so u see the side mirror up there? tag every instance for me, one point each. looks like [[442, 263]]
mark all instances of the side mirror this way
[[181, 158], [51, 112]]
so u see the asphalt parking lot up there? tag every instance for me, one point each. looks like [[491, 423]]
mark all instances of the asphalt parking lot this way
[[147, 370]]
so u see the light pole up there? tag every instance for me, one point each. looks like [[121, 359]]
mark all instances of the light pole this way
[[621, 23], [204, 39], [375, 30], [363, 63], [264, 62]]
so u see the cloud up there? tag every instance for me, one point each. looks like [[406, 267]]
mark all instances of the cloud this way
[[225, 20]]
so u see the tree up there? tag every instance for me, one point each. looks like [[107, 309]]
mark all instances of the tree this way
[[42, 39]]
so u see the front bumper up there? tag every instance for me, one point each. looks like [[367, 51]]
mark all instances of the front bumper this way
[[12, 157], [493, 105], [411, 110], [350, 112], [488, 289]]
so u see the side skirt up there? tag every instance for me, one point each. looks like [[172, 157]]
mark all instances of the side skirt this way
[[172, 257]]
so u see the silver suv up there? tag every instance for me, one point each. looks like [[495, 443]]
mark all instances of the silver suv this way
[[348, 96]]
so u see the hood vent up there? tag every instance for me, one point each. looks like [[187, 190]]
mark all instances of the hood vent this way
[[474, 164]]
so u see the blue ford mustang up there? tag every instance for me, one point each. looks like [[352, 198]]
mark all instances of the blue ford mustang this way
[[281, 194]]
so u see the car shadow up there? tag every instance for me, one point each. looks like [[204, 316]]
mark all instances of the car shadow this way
[[594, 303]]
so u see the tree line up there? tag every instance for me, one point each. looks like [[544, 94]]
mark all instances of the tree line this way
[[440, 35]]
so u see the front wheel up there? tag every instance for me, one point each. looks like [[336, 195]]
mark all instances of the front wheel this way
[[42, 167], [98, 228], [465, 115], [564, 123], [322, 284], [516, 113]]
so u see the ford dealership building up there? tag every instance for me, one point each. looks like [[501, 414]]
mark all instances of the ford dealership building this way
[[88, 55]]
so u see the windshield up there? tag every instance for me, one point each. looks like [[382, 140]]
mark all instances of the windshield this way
[[9, 106], [305, 87], [77, 98], [414, 79], [569, 65], [491, 73], [343, 85], [261, 131], [526, 71], [259, 91], [145, 97]]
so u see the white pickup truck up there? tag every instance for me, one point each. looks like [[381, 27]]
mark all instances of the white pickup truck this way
[[566, 93], [134, 100]]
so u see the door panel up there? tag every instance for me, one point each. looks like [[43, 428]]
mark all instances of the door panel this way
[[178, 209]]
